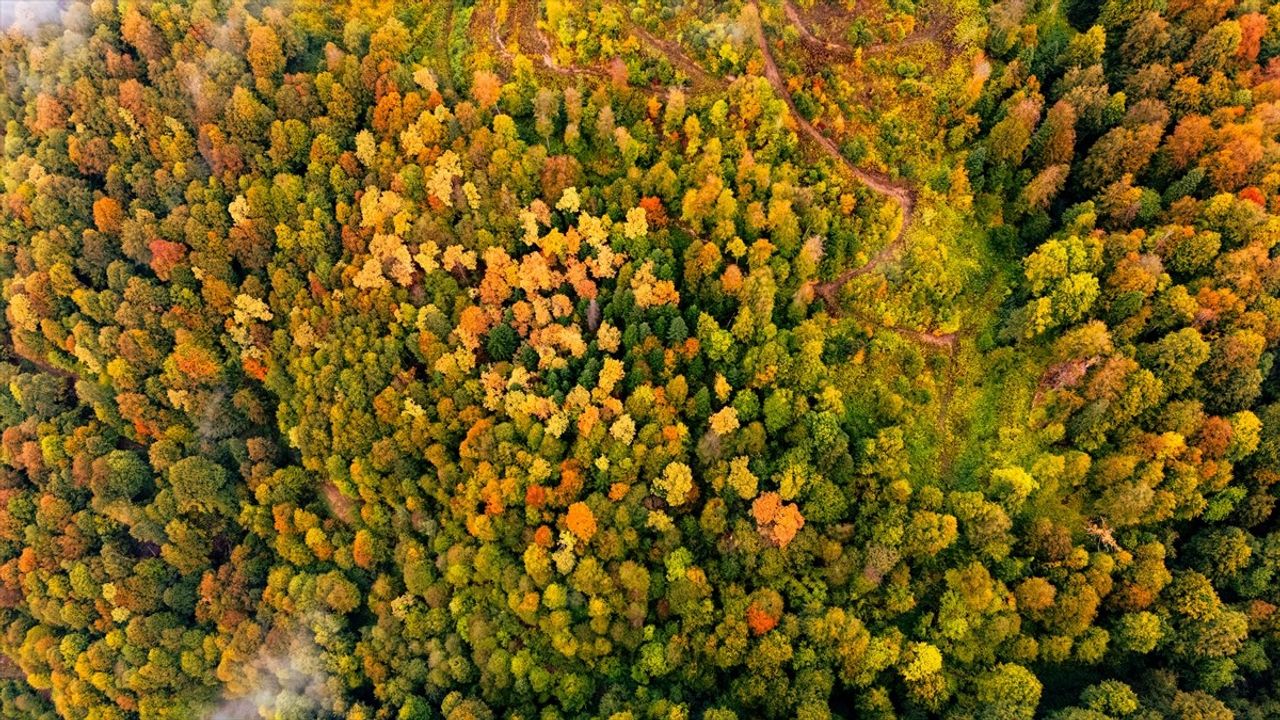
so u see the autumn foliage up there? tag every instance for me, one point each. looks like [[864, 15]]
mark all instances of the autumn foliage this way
[[714, 360]]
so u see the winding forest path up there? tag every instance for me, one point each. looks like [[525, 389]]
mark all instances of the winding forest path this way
[[945, 342], [486, 14], [901, 193], [675, 55], [442, 50], [807, 36], [523, 17], [9, 347], [931, 32]]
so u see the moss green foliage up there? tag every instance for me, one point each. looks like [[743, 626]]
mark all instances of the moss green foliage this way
[[712, 360]]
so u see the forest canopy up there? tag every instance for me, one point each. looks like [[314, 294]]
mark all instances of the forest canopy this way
[[683, 360]]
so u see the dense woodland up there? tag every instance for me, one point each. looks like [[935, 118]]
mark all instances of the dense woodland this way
[[675, 359]]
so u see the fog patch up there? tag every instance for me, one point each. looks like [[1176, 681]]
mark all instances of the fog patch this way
[[286, 677], [28, 16]]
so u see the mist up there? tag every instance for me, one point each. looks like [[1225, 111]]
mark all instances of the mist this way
[[27, 16], [287, 676]]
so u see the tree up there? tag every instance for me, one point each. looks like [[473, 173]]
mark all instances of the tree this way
[[1008, 692], [502, 342], [1122, 151], [485, 88], [200, 485], [1232, 371], [1011, 136], [265, 57], [1176, 357], [120, 475]]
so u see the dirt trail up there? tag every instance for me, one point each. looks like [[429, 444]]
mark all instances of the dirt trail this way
[[523, 17], [676, 56], [442, 51], [525, 14], [901, 193], [807, 36], [10, 348], [944, 341], [930, 32], [485, 14], [948, 456]]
